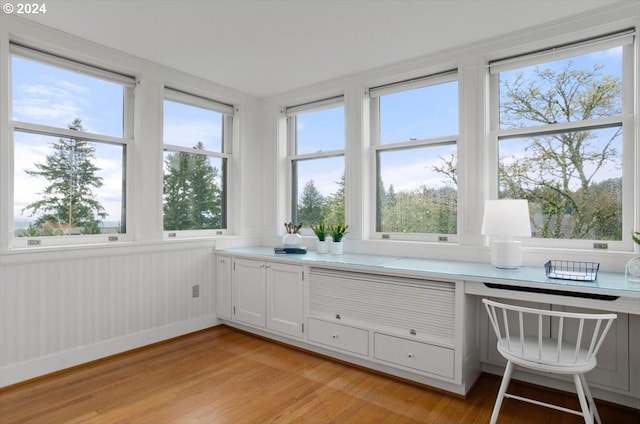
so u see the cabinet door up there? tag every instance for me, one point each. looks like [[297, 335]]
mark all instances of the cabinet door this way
[[223, 287], [285, 298], [613, 358], [249, 292]]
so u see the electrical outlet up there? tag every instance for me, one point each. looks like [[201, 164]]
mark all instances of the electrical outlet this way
[[195, 290]]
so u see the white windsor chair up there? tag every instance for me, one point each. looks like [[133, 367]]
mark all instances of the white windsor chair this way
[[549, 350]]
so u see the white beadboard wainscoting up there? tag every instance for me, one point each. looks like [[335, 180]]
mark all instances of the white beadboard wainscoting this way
[[63, 308]]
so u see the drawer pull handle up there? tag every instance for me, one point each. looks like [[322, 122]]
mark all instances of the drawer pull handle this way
[[411, 355], [335, 336]]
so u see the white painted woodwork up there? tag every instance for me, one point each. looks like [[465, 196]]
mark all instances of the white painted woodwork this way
[[397, 303], [285, 290], [269, 295], [422, 357], [249, 291], [74, 306], [339, 336], [224, 304]]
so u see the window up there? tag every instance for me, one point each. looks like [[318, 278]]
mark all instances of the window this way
[[197, 136], [563, 123], [71, 125], [316, 153], [414, 127]]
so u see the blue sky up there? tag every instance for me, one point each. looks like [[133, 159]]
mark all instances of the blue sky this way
[[53, 96], [611, 60]]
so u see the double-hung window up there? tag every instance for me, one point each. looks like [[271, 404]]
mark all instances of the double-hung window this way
[[71, 124], [197, 148], [414, 132], [316, 144], [563, 127]]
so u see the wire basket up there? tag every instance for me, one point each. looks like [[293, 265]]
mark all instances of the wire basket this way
[[572, 270]]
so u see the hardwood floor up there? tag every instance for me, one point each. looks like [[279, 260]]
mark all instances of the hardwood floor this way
[[222, 375]]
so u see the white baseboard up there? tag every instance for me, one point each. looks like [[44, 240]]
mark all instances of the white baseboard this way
[[23, 371]]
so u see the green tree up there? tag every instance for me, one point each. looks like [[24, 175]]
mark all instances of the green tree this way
[[310, 205], [558, 172], [333, 210], [69, 201], [192, 193]]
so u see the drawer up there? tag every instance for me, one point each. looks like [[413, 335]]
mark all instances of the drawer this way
[[415, 355], [339, 336]]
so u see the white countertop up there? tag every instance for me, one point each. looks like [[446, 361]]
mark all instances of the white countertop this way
[[607, 283]]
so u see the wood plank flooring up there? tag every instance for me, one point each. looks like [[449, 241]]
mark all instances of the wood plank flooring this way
[[222, 375]]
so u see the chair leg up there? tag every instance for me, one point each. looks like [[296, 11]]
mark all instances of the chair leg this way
[[592, 403], [586, 413], [503, 389]]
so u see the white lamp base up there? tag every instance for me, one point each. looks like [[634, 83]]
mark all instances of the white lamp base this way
[[506, 253]]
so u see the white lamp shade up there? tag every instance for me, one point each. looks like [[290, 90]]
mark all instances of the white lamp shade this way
[[507, 218]]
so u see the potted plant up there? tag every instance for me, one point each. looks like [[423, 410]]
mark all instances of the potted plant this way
[[337, 233], [321, 231], [292, 237]]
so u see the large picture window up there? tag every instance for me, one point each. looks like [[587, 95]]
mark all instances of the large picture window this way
[[197, 135], [316, 153], [563, 122], [414, 127], [71, 125]]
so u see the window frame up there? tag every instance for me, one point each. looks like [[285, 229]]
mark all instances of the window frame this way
[[69, 64], [228, 116], [293, 157], [625, 39], [374, 94]]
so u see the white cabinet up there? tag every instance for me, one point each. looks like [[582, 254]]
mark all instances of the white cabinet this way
[[249, 292], [268, 294], [285, 306], [423, 357], [223, 287], [412, 321], [339, 336]]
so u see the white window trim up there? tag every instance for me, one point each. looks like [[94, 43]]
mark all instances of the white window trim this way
[[626, 39], [228, 112], [69, 64], [374, 119], [290, 114]]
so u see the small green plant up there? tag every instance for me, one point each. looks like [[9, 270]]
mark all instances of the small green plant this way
[[321, 230], [635, 235], [338, 231]]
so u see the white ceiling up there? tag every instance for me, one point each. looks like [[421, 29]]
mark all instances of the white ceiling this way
[[266, 47]]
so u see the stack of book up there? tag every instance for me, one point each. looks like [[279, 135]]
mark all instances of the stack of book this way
[[299, 250]]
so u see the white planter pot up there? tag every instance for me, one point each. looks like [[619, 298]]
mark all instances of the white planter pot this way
[[292, 240], [336, 248], [322, 246]]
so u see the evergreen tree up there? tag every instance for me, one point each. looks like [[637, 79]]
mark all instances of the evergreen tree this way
[[310, 205], [192, 194], [69, 201], [333, 210]]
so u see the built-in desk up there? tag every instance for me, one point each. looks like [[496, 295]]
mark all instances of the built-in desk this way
[[467, 348]]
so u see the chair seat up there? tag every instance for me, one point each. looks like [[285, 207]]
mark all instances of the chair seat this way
[[546, 358], [543, 353]]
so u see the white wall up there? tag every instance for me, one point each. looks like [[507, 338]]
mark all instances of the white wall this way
[[63, 309]]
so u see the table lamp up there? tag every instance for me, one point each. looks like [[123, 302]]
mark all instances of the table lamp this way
[[504, 220]]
